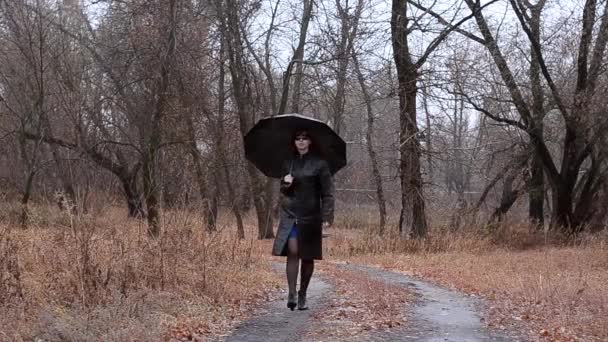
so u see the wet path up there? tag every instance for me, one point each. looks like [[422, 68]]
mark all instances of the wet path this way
[[437, 315], [279, 324]]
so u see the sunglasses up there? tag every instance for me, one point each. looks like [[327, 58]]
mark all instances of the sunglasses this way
[[302, 138]]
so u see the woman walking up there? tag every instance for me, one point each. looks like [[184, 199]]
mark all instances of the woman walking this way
[[303, 153], [307, 203]]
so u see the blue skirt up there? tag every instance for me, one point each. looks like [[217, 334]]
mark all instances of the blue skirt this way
[[293, 234]]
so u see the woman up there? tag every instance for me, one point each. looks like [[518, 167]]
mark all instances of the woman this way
[[307, 203]]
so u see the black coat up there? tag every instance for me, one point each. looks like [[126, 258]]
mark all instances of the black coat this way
[[307, 202]]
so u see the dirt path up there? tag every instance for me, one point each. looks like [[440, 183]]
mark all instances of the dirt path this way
[[437, 315]]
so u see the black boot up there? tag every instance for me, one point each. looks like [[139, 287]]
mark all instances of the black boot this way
[[291, 301], [302, 301]]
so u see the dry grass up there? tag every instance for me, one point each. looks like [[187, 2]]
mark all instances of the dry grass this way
[[556, 290], [101, 278]]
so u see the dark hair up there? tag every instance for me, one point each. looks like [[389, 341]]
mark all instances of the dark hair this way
[[301, 132]]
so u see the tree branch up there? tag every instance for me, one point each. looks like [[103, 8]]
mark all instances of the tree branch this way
[[446, 23], [505, 72], [496, 118], [598, 52], [444, 34], [97, 157], [541, 61], [519, 162], [583, 48]]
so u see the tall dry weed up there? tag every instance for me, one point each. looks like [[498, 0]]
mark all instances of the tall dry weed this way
[[84, 277], [440, 239]]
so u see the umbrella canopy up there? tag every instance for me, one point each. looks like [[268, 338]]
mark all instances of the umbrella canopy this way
[[269, 143]]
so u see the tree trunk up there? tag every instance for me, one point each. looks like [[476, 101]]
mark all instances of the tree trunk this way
[[25, 199], [541, 152], [120, 168], [213, 177], [152, 140], [132, 193], [232, 198], [151, 193], [588, 195], [349, 24], [214, 205], [242, 94], [562, 208], [536, 190], [299, 56], [412, 220], [66, 181], [513, 166], [428, 137], [206, 201], [369, 135], [509, 196], [263, 206], [221, 154]]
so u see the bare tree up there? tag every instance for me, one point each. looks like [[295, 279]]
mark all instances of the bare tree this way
[[298, 61], [221, 150], [25, 76], [571, 194], [536, 190], [152, 127], [369, 134], [263, 62], [349, 25], [228, 12], [412, 220]]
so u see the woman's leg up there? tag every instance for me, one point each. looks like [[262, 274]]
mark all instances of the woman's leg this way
[[292, 264], [308, 267]]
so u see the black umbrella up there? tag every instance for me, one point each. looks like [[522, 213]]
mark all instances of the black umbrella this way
[[269, 142]]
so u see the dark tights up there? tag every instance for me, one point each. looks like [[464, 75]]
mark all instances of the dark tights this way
[[293, 260]]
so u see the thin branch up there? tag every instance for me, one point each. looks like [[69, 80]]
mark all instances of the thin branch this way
[[494, 117], [446, 23], [519, 162], [441, 37], [541, 61]]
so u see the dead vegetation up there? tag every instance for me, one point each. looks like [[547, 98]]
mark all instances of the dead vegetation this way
[[549, 286], [102, 278]]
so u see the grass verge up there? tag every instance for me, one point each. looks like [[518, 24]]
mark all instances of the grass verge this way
[[550, 289]]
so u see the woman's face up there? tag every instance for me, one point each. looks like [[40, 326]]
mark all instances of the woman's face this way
[[302, 142]]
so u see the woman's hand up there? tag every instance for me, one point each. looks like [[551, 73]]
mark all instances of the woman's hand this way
[[288, 179], [287, 185]]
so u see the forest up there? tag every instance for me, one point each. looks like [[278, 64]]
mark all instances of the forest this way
[[475, 135]]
